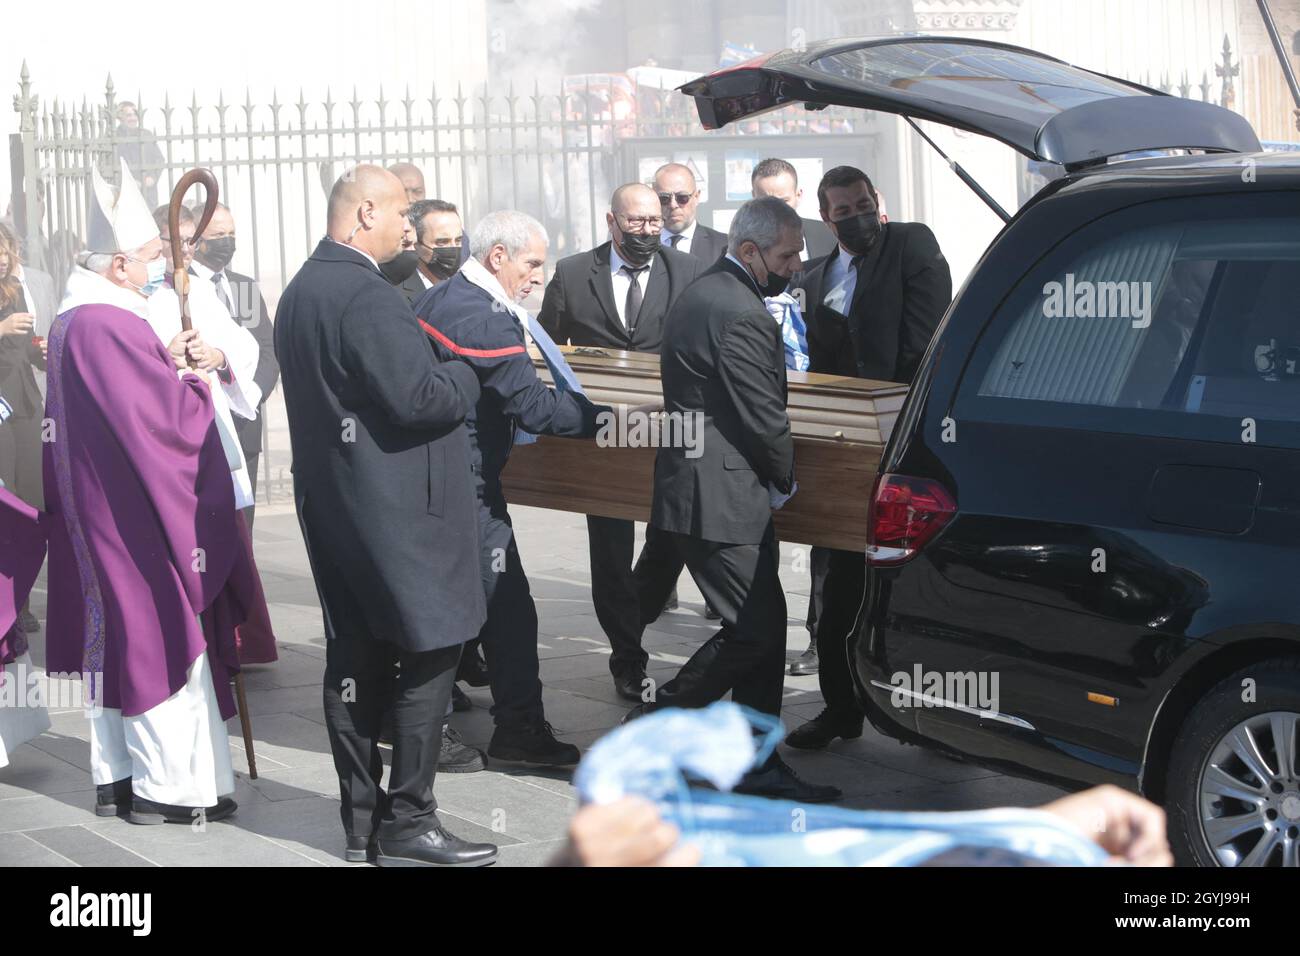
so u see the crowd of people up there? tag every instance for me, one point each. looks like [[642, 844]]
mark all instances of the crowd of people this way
[[402, 346]]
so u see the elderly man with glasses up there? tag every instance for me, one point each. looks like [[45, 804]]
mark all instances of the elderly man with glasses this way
[[616, 296]]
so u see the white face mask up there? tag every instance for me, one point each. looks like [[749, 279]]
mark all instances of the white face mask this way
[[157, 271]]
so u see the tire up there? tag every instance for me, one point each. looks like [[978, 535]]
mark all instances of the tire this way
[[1221, 811]]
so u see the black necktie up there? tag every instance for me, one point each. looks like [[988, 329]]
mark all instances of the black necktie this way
[[221, 293], [632, 307], [856, 263], [673, 240]]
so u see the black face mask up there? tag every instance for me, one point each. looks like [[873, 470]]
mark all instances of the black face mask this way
[[774, 285], [397, 270], [216, 253], [858, 233], [444, 262], [638, 248]]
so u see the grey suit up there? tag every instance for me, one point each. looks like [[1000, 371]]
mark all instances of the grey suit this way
[[708, 245], [722, 361], [722, 358]]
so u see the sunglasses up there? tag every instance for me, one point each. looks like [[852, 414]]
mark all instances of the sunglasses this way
[[666, 199]]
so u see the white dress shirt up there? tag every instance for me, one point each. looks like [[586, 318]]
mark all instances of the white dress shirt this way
[[360, 252], [622, 281], [204, 274], [839, 283], [687, 234]]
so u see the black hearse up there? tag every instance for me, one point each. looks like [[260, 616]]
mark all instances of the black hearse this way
[[1093, 490]]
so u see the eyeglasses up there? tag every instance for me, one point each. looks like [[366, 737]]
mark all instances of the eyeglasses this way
[[640, 222], [666, 199]]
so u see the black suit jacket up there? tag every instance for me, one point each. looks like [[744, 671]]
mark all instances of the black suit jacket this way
[[903, 288], [579, 306], [819, 239], [413, 288], [381, 458], [708, 245], [251, 313], [722, 360]]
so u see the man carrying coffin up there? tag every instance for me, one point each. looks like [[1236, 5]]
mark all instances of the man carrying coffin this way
[[723, 359], [147, 577], [475, 318]]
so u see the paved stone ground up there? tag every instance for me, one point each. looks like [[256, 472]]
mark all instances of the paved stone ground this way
[[289, 815]]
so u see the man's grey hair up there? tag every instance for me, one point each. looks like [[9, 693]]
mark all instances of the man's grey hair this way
[[100, 262], [507, 227], [96, 262], [761, 221]]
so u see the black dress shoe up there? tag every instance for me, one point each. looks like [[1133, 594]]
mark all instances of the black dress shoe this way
[[710, 614], [113, 799], [630, 686], [671, 603], [460, 701], [806, 663], [532, 745], [779, 782], [361, 849], [27, 622], [472, 669], [818, 733], [148, 813], [457, 756], [438, 847]]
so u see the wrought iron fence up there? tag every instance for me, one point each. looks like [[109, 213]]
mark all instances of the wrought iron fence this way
[[554, 153]]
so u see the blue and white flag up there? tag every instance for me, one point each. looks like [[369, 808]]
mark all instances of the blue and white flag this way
[[794, 332]]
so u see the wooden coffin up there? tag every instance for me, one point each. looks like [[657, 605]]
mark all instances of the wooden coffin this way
[[840, 428]]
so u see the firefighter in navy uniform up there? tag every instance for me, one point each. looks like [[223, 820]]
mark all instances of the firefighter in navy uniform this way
[[474, 317]]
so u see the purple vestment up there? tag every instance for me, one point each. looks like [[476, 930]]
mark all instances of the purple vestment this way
[[140, 516], [22, 551]]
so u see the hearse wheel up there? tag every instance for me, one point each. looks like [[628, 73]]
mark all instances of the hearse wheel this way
[[1233, 796]]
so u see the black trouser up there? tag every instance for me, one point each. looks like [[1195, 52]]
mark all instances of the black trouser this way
[[509, 636], [842, 602], [627, 598], [747, 655], [363, 678], [818, 559]]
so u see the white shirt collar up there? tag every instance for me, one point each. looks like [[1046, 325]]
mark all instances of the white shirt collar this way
[[360, 252], [741, 266], [688, 234], [203, 272]]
